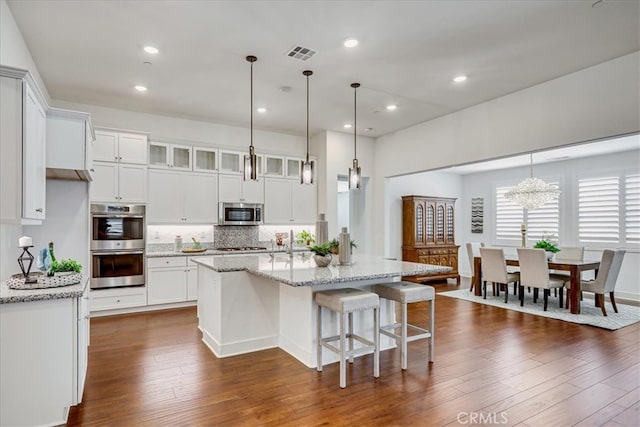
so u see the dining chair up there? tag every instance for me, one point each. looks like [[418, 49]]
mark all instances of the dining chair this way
[[605, 281], [473, 250], [534, 272], [494, 269]]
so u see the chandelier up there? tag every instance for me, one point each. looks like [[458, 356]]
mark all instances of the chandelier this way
[[533, 192]]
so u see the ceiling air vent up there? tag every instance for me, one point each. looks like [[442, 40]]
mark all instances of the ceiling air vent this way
[[302, 53]]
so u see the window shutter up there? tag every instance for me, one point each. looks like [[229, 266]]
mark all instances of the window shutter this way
[[632, 208], [509, 216], [543, 222], [598, 210]]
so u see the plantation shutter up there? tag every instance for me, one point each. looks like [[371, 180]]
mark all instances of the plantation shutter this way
[[543, 222], [632, 208], [509, 216], [598, 210]]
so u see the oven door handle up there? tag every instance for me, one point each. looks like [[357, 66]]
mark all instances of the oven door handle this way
[[118, 253], [116, 216]]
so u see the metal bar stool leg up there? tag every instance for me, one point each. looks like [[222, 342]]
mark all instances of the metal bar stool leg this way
[[319, 338], [403, 337]]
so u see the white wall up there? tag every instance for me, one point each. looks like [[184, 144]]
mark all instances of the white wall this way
[[483, 184], [13, 49], [335, 154], [596, 102], [67, 222], [433, 184]]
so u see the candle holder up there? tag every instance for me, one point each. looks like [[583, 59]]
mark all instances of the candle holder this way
[[26, 256]]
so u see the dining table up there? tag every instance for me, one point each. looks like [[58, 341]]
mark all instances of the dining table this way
[[574, 267]]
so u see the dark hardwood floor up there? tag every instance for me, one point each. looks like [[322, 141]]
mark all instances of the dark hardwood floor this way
[[493, 366]]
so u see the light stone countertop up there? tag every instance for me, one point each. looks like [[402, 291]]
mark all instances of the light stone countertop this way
[[209, 252], [8, 295], [301, 270]]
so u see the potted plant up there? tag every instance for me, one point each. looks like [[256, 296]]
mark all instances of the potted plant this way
[[64, 267], [304, 237], [335, 246], [548, 246], [322, 254]]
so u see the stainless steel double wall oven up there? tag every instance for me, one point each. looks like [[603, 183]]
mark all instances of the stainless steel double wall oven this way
[[117, 245]]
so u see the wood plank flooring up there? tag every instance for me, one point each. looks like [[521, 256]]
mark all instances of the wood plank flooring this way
[[493, 366]]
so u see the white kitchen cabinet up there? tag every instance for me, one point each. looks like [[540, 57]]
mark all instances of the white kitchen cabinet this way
[[179, 197], [119, 182], [23, 151], [43, 360], [171, 280], [170, 156], [123, 147], [117, 298], [70, 141], [287, 202], [233, 162], [233, 188], [293, 168]]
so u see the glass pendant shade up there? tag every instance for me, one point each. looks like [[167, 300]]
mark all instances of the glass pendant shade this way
[[354, 176], [306, 172], [251, 165]]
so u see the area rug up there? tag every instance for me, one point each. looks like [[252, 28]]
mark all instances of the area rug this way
[[589, 315]]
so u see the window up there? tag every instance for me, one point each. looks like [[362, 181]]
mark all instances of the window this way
[[609, 209], [541, 223], [632, 208]]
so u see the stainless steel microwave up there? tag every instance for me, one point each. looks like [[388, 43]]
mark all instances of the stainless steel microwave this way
[[240, 213]]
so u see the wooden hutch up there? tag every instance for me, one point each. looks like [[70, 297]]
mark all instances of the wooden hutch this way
[[428, 235]]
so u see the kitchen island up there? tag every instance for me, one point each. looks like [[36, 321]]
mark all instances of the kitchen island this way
[[253, 302]]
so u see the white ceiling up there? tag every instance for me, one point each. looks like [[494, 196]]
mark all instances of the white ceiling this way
[[91, 52]]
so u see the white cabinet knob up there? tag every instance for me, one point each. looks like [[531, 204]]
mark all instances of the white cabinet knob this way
[[39, 210]]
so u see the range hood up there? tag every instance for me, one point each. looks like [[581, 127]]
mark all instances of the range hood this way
[[70, 139]]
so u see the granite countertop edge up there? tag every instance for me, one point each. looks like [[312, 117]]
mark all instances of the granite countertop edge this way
[[8, 296]]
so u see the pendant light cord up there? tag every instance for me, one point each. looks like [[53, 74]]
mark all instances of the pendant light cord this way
[[251, 103], [307, 74], [355, 121]]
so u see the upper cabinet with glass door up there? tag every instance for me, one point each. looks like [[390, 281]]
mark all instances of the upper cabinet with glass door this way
[[205, 159], [274, 166], [233, 162], [170, 156]]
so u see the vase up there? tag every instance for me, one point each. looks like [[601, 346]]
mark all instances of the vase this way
[[322, 260]]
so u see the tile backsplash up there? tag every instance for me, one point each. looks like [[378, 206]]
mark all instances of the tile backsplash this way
[[224, 236]]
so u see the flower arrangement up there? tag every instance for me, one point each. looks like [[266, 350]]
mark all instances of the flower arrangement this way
[[335, 246], [304, 237], [322, 250]]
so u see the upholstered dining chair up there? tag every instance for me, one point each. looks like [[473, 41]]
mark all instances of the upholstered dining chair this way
[[534, 272], [494, 269], [605, 281], [473, 250]]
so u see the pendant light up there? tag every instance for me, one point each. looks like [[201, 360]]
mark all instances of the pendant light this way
[[306, 166], [251, 161], [354, 172]]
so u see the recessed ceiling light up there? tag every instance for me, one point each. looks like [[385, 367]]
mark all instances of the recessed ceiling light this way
[[347, 126], [261, 110], [368, 129], [150, 49], [460, 79], [392, 107], [350, 43], [141, 88]]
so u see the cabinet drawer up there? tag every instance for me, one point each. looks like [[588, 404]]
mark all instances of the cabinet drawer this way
[[176, 261], [107, 300], [423, 252]]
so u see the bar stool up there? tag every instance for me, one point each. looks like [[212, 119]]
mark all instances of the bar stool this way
[[406, 293], [346, 302]]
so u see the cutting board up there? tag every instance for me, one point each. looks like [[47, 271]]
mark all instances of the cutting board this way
[[193, 250]]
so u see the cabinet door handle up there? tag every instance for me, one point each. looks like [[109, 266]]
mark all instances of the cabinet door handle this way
[[39, 210], [92, 170], [116, 158], [119, 158]]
